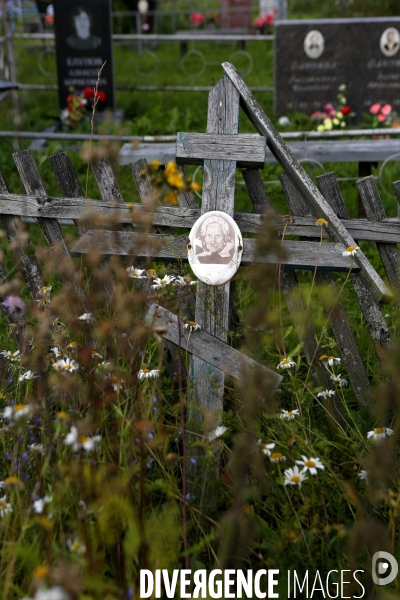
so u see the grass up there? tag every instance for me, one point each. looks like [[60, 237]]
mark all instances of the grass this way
[[92, 459]]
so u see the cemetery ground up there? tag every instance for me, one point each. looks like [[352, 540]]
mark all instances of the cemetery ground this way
[[102, 470]]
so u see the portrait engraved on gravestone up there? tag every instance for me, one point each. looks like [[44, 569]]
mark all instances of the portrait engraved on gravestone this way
[[215, 248], [83, 37], [390, 41], [314, 44]]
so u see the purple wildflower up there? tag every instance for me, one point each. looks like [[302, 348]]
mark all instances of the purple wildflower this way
[[14, 304]]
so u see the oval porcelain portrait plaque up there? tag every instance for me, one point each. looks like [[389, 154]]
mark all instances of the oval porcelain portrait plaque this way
[[215, 248]]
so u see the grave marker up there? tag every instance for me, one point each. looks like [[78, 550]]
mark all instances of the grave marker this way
[[313, 58], [83, 43]]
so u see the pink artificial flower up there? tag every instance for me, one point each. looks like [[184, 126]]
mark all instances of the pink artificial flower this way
[[386, 109], [318, 115], [258, 22], [145, 27], [197, 18], [269, 19], [375, 108], [14, 304], [381, 118]]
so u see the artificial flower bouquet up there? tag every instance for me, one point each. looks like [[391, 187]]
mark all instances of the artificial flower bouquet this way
[[79, 104], [333, 117], [263, 23]]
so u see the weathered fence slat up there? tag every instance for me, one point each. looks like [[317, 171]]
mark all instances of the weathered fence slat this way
[[69, 184], [335, 311], [375, 211], [300, 178], [298, 255], [374, 319], [30, 269]]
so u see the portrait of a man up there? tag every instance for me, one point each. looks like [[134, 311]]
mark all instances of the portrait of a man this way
[[390, 41], [314, 44], [83, 39], [214, 241]]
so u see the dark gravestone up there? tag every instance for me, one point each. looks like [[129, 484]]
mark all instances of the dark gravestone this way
[[84, 43], [236, 14], [312, 58]]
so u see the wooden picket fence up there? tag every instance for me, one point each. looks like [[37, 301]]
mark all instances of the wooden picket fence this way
[[221, 150]]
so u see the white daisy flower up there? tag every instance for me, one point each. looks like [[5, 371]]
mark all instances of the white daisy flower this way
[[76, 546], [192, 326], [161, 283], [136, 273], [379, 433], [81, 441], [103, 366], [351, 251], [5, 507], [326, 394], [277, 457], [45, 291], [39, 504], [148, 373], [54, 593], [66, 365], [87, 317], [217, 432], [363, 475], [180, 281], [13, 413], [331, 360], [27, 376], [294, 476], [96, 354], [289, 414], [55, 351], [39, 448], [286, 363], [265, 448], [13, 356], [338, 379], [116, 382], [58, 323], [310, 464]]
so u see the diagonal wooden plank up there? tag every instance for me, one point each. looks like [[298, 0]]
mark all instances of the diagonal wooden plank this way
[[209, 348], [337, 315], [300, 178], [297, 255], [374, 319], [375, 211]]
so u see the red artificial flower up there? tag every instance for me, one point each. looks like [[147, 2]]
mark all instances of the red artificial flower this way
[[346, 110], [88, 93], [101, 96]]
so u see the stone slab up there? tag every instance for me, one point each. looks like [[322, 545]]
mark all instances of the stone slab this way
[[83, 35], [314, 57]]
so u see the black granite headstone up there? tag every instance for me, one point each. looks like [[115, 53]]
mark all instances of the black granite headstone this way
[[313, 58], [83, 44]]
